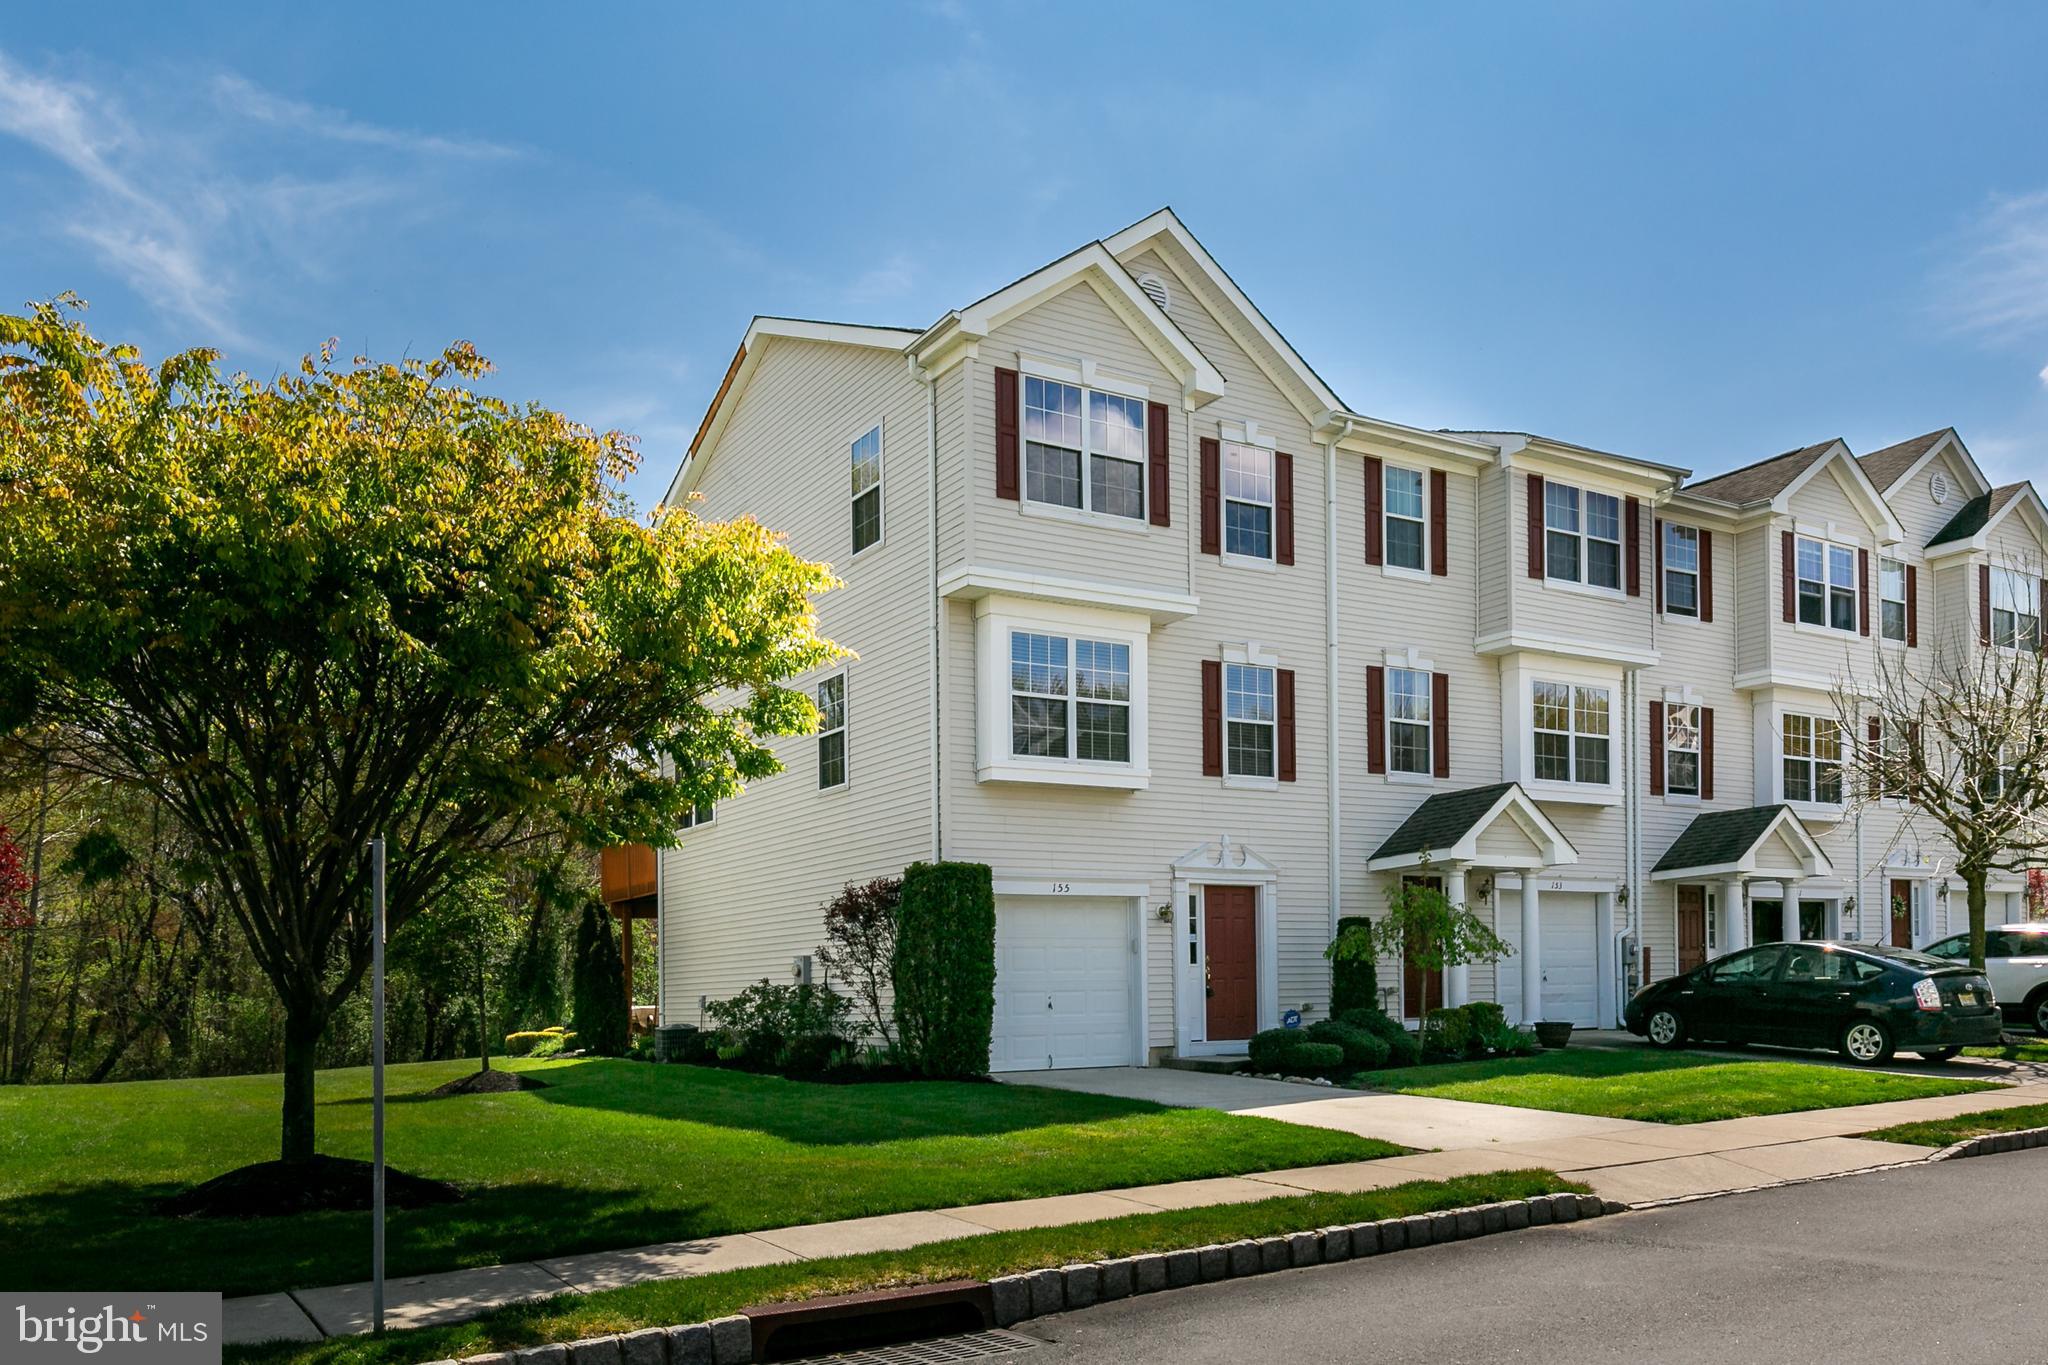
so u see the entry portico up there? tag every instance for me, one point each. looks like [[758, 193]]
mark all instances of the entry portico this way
[[1736, 850]]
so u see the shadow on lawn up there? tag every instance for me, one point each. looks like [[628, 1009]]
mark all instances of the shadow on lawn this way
[[107, 1237]]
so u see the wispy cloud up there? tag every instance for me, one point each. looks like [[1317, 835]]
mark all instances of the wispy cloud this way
[[889, 280], [1997, 283], [240, 97]]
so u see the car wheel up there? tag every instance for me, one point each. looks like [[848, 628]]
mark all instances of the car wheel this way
[[2037, 1009], [1943, 1054], [1665, 1028], [1866, 1042]]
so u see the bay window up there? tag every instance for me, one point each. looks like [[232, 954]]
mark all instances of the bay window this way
[[1070, 698], [1812, 757], [1572, 733]]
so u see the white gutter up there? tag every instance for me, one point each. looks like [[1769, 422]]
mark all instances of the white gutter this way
[[1333, 776], [931, 561]]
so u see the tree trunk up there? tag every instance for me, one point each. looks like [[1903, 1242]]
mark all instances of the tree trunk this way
[[1974, 887], [26, 941], [483, 1034], [302, 1025]]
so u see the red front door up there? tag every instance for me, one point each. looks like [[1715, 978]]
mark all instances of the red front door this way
[[1231, 938], [1902, 914], [1692, 927], [1421, 990]]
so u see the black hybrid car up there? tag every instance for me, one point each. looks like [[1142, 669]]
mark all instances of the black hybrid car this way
[[1865, 999]]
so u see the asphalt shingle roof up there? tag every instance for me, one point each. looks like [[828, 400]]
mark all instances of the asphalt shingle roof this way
[[1764, 479], [1885, 467], [1718, 838], [1442, 820], [1977, 513]]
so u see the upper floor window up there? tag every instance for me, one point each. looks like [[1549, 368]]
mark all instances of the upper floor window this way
[[1083, 448], [832, 731], [1582, 532], [1573, 729], [1409, 722], [1681, 750], [1405, 517], [1251, 721], [1070, 698], [1681, 570], [1813, 759], [1891, 599], [2015, 610], [701, 814], [1827, 584], [867, 490], [1247, 501]]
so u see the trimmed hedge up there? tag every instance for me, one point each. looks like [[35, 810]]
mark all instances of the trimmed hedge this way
[[1363, 1050], [1446, 1034], [1292, 1052], [1353, 985], [1403, 1049], [944, 968]]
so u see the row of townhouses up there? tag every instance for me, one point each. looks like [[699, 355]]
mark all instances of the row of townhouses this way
[[1199, 660]]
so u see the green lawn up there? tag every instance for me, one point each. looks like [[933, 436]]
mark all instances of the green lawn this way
[[1941, 1132], [699, 1298], [2031, 1050], [612, 1154], [1661, 1087]]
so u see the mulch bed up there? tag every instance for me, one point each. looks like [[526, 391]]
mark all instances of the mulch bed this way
[[496, 1081], [271, 1188]]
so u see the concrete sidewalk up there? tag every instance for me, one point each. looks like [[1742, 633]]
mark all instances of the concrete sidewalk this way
[[1620, 1159]]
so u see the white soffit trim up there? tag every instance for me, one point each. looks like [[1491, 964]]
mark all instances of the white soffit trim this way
[[975, 581], [1535, 642], [1876, 510]]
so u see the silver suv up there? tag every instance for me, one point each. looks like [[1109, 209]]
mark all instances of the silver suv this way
[[2016, 961]]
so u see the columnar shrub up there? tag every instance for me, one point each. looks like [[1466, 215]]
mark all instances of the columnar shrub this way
[[945, 968], [601, 1017], [1291, 1052], [1354, 981]]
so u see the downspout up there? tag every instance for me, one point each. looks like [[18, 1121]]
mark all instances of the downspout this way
[[1331, 679], [933, 710]]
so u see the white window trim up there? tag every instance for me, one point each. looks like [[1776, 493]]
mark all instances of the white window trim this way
[[1699, 752], [1573, 733], [996, 616], [2033, 583], [1813, 761], [879, 428], [844, 731], [1519, 674], [1272, 506], [1697, 573], [1826, 544], [1250, 655], [1904, 599], [1087, 376], [1387, 518], [1585, 538], [1428, 774]]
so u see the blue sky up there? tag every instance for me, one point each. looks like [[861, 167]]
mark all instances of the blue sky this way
[[1702, 234]]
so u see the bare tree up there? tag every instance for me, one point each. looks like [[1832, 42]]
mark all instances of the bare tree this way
[[1963, 741]]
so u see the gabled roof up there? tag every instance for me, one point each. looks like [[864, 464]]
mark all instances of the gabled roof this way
[[1728, 842], [1886, 467], [1978, 514], [1447, 827], [1764, 480]]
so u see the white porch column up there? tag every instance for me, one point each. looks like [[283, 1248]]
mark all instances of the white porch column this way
[[1603, 932], [1532, 951], [1734, 916], [1788, 918], [1457, 976], [2015, 907]]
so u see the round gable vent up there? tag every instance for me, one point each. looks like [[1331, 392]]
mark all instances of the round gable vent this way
[[1937, 488], [1156, 290]]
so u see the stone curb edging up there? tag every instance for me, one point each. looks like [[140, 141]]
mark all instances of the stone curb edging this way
[[1037, 1293], [1987, 1143]]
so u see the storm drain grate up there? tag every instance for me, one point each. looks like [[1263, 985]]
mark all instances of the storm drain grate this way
[[937, 1351]]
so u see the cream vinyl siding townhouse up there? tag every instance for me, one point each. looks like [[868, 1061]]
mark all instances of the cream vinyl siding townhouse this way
[[1197, 660]]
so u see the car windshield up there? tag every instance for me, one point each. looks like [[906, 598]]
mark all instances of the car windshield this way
[[1911, 957]]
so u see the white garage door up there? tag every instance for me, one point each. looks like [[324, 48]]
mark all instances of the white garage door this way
[[1571, 958], [1063, 984]]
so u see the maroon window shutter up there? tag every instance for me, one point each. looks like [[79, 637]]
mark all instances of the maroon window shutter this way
[[1283, 698], [1212, 496], [1536, 526], [1439, 524], [1912, 606], [1375, 719], [1657, 560], [1706, 593], [1706, 753], [1283, 508], [1440, 722], [1863, 592], [1212, 718], [1633, 523], [1006, 434], [1984, 604], [1790, 579], [1656, 748], [1160, 493], [1375, 511], [2041, 608]]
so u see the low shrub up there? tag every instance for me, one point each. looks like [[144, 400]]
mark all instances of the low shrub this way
[[1363, 1051], [1485, 1017], [810, 1053], [523, 1043], [1446, 1035], [1291, 1052], [1505, 1040], [1403, 1049], [756, 1027]]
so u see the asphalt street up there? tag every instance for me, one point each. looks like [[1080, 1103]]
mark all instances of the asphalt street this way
[[1932, 1263]]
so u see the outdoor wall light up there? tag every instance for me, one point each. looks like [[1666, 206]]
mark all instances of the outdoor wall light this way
[[1165, 913]]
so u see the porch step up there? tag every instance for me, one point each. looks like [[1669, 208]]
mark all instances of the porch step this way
[[1217, 1066]]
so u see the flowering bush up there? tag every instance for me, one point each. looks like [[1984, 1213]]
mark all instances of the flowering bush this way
[[15, 884]]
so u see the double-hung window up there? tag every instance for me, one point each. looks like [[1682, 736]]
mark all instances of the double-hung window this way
[[1083, 448], [1070, 698], [867, 490], [701, 814], [1681, 750], [1405, 518], [1572, 733], [1891, 599], [1827, 584], [832, 731], [1813, 759], [1681, 570], [2015, 610], [1409, 721], [1582, 531], [1247, 501], [1250, 721]]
